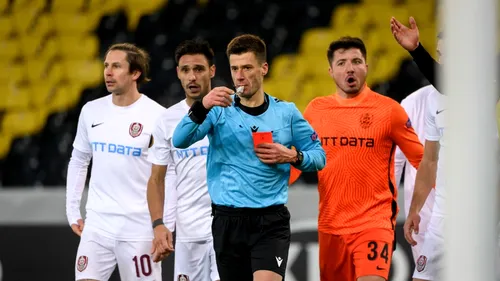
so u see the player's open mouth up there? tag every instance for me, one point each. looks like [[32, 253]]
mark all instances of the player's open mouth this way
[[351, 81], [194, 88]]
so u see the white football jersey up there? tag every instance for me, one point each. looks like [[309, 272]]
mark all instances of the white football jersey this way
[[415, 106], [118, 139], [194, 207], [434, 131]]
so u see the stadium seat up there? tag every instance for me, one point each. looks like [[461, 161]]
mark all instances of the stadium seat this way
[[23, 16], [36, 70], [74, 23], [11, 73], [105, 7], [88, 73], [31, 44], [4, 4], [41, 93], [84, 46], [14, 98], [282, 88], [316, 40], [137, 8], [6, 26], [347, 14], [9, 49], [5, 142], [65, 6], [64, 96], [22, 123], [314, 65], [286, 66]]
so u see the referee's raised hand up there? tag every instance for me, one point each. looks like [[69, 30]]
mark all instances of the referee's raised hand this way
[[219, 96]]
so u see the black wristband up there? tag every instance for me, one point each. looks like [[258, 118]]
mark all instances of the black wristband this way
[[157, 222], [197, 112]]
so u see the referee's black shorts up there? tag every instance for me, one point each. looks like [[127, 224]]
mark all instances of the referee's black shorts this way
[[247, 240]]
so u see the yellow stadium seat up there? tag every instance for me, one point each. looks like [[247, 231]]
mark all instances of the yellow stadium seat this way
[[74, 23], [314, 65], [41, 94], [3, 5], [67, 6], [65, 96], [89, 73], [137, 8], [105, 7], [14, 98], [31, 45], [380, 15], [22, 123], [5, 143], [313, 88], [424, 13], [284, 89], [316, 40], [78, 46], [24, 15], [36, 70], [49, 50], [285, 66], [11, 73], [43, 26], [347, 14], [9, 49], [6, 27]]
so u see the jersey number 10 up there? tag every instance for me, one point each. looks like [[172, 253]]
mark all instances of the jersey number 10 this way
[[144, 262]]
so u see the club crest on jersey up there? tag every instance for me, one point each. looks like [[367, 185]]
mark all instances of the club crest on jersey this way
[[408, 123], [365, 120], [82, 263], [135, 129], [183, 277], [421, 263]]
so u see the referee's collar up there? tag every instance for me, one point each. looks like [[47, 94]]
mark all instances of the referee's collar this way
[[253, 110]]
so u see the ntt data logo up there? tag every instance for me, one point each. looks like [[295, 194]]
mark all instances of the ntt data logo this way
[[303, 257]]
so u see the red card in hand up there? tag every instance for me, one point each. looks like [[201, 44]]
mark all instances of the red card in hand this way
[[262, 137]]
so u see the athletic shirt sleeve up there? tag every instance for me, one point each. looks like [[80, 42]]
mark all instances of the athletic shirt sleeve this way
[[81, 142], [404, 136], [431, 130], [75, 184], [170, 206], [160, 152]]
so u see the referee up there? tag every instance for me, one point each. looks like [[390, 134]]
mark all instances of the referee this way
[[251, 136]]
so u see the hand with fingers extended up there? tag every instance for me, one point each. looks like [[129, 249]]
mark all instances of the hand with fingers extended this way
[[411, 225], [78, 228], [219, 96], [163, 243], [407, 37], [275, 153]]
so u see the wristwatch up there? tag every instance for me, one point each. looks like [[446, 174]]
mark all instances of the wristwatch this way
[[157, 222], [300, 158]]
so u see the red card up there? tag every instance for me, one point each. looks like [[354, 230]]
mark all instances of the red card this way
[[262, 137]]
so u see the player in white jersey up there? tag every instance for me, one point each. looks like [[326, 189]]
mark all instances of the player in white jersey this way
[[415, 107], [194, 254], [430, 171], [116, 133]]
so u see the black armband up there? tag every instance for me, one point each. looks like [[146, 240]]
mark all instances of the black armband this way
[[197, 112], [157, 222]]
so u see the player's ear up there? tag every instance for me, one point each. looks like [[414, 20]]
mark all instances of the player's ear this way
[[178, 71], [264, 68], [212, 71], [136, 74], [330, 71]]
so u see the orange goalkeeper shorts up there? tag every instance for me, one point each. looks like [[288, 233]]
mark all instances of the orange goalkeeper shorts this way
[[348, 257]]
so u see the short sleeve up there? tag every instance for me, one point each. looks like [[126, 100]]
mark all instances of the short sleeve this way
[[431, 130], [160, 152]]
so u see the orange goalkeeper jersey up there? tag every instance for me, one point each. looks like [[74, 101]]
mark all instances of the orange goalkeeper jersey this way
[[359, 135]]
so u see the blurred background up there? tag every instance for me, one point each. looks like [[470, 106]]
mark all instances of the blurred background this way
[[51, 54]]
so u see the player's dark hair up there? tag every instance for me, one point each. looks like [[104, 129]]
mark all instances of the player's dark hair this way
[[248, 43], [137, 58], [195, 47], [346, 43]]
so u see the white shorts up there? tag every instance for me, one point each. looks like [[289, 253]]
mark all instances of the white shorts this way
[[420, 238], [195, 261], [428, 265], [98, 256]]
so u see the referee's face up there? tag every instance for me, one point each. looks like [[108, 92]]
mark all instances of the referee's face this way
[[195, 73], [248, 71], [348, 70]]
